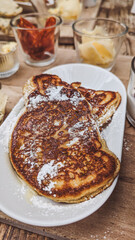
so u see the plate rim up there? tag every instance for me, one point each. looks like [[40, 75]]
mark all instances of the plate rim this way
[[89, 66]]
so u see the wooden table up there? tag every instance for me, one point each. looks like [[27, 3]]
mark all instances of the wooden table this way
[[116, 218]]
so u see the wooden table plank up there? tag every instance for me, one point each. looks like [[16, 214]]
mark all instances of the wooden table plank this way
[[115, 219]]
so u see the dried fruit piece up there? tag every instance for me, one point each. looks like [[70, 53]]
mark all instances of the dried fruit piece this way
[[39, 44], [23, 23]]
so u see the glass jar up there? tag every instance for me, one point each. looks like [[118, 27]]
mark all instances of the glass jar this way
[[37, 35], [9, 63], [68, 10], [131, 95]]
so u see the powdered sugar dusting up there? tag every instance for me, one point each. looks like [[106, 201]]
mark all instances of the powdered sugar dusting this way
[[81, 130], [36, 100], [49, 187], [72, 142], [106, 116], [56, 123], [54, 93], [30, 153], [50, 169], [75, 130], [107, 235], [127, 144]]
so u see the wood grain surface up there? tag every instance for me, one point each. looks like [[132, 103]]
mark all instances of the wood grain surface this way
[[115, 220]]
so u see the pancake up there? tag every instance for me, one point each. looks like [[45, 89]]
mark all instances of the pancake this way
[[104, 103], [56, 145]]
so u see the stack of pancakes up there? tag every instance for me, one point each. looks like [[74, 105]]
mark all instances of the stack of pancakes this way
[[56, 146]]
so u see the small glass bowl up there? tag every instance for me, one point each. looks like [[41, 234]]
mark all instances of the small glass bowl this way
[[8, 60], [38, 42], [98, 41], [69, 10]]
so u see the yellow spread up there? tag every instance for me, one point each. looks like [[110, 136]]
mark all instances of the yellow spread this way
[[6, 48], [7, 61], [67, 9], [96, 50]]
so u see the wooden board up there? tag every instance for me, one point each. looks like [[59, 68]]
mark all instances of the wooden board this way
[[115, 219]]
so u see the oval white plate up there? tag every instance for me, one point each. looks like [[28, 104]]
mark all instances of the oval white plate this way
[[16, 199]]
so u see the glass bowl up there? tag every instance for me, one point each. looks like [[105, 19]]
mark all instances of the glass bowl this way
[[69, 10], [37, 35], [9, 63], [98, 41]]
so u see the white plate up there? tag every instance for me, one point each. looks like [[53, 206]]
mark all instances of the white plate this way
[[16, 199]]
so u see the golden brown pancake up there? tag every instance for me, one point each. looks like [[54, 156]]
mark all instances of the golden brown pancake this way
[[56, 146], [103, 103]]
